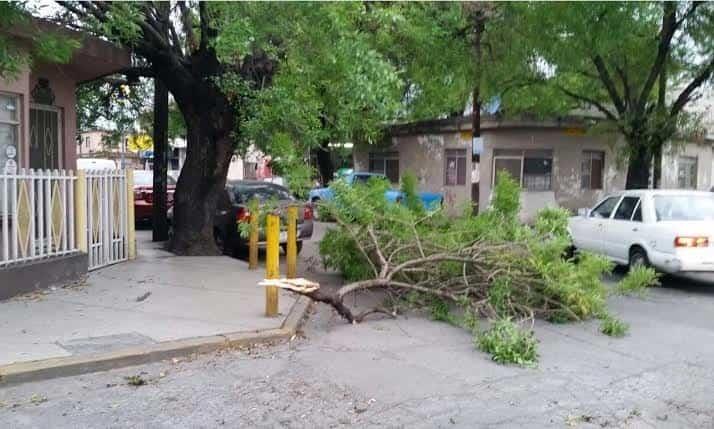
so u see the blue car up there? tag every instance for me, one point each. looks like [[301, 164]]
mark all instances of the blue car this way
[[431, 200]]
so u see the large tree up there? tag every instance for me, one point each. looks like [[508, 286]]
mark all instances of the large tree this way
[[184, 58], [637, 63], [284, 77]]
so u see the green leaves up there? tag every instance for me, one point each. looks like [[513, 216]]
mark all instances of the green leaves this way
[[48, 47], [507, 343]]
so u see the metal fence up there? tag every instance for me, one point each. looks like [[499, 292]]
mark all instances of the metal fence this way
[[107, 225], [36, 215]]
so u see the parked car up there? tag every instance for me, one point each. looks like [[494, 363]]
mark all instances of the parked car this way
[[233, 210], [670, 230], [431, 200], [144, 194]]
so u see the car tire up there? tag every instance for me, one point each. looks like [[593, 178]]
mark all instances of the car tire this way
[[220, 241], [285, 247], [638, 257]]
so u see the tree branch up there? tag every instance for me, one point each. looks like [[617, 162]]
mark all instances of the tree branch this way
[[684, 96], [187, 23], [609, 84], [669, 27], [588, 100]]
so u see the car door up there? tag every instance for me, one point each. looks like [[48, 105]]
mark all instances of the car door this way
[[623, 229], [587, 233]]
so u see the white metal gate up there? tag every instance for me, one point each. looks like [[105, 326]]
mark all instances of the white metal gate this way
[[107, 227]]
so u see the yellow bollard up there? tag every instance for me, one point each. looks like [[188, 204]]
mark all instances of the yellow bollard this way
[[80, 211], [291, 249], [272, 262], [253, 242]]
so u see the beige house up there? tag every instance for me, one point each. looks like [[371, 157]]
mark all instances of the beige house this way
[[557, 162]]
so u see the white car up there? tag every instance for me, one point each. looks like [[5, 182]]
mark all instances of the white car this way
[[670, 230]]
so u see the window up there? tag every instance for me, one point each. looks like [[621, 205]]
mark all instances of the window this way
[[592, 167], [9, 132], [455, 169], [637, 216], [684, 207], [604, 210], [386, 163], [532, 169], [626, 208], [537, 173], [687, 172]]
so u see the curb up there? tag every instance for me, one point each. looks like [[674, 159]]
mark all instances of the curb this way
[[46, 369]]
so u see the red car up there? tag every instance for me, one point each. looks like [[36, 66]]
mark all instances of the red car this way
[[144, 192]]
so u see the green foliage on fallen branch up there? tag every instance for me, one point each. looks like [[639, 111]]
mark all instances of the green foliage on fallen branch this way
[[507, 343], [489, 265], [637, 281], [613, 327]]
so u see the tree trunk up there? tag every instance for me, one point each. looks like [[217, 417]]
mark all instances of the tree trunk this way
[[638, 167], [160, 223], [210, 124], [657, 167], [202, 181], [324, 163]]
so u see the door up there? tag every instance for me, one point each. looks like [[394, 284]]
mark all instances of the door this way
[[45, 137], [623, 230], [588, 232]]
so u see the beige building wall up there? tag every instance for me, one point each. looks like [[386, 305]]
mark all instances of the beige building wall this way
[[672, 155], [91, 142], [423, 156], [567, 148]]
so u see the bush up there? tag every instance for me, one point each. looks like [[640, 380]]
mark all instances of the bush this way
[[507, 343]]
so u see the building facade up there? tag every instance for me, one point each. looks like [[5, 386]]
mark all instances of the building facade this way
[[557, 162]]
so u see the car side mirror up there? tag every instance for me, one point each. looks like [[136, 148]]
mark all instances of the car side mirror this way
[[584, 212]]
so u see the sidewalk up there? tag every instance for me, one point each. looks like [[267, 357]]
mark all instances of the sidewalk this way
[[156, 298]]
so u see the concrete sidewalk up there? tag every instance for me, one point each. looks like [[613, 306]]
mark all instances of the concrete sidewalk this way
[[156, 298]]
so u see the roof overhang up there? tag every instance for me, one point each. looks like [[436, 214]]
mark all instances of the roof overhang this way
[[93, 59]]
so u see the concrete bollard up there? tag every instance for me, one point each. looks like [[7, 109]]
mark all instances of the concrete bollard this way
[[291, 248], [272, 262]]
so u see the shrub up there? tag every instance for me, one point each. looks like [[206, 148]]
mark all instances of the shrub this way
[[507, 343]]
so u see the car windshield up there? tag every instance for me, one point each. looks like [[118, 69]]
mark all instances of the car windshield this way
[[684, 207], [263, 192], [364, 178], [146, 178]]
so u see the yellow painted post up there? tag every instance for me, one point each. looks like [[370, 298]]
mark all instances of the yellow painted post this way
[[272, 262], [291, 250], [253, 242], [130, 221], [80, 211]]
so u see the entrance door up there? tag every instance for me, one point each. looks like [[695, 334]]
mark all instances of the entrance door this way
[[44, 137]]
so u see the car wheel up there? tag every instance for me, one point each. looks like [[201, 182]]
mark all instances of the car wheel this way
[[638, 257], [285, 247], [220, 241]]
